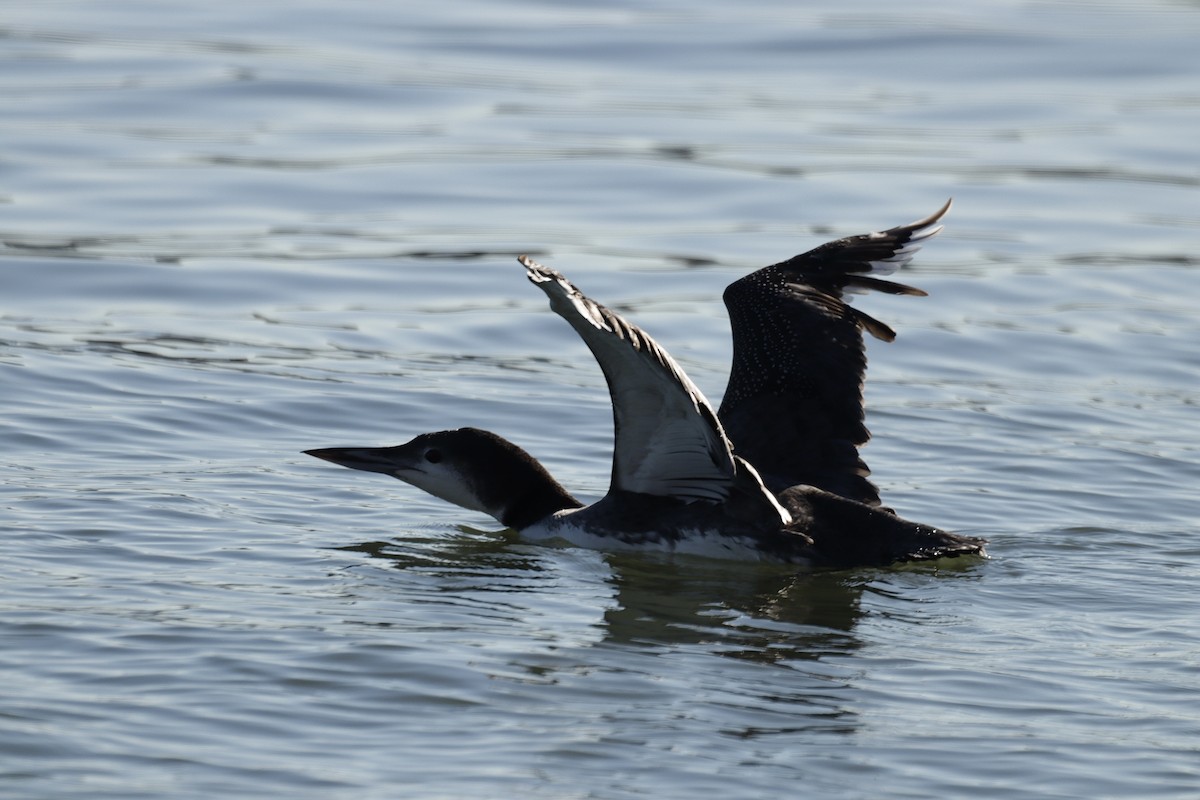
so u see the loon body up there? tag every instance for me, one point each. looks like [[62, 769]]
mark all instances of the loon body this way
[[774, 475]]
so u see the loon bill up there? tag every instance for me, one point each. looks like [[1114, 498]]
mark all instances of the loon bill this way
[[774, 475]]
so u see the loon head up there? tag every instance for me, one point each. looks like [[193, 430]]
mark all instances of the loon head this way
[[469, 467]]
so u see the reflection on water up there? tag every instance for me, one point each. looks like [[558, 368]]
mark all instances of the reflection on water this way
[[757, 614], [761, 612], [662, 600]]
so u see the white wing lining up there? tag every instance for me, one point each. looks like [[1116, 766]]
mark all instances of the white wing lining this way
[[668, 441]]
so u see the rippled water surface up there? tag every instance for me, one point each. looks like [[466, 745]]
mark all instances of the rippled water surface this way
[[233, 231]]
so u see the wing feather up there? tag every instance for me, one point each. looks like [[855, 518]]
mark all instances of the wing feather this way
[[668, 440], [793, 406]]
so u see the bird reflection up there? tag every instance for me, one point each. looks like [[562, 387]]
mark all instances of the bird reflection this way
[[755, 612], [588, 621], [746, 611]]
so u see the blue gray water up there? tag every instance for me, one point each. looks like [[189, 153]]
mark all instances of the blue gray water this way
[[232, 231]]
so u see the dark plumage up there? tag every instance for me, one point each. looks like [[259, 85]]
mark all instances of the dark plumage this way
[[793, 405], [687, 479]]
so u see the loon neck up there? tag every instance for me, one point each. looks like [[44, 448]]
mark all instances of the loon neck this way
[[536, 503]]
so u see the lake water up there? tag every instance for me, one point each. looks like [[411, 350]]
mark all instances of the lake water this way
[[233, 231]]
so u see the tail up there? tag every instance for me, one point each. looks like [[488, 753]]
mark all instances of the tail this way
[[846, 533]]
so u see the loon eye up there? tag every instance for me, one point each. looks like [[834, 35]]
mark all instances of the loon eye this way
[[433, 455]]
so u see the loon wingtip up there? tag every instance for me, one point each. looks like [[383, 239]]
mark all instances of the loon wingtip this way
[[535, 271], [924, 225]]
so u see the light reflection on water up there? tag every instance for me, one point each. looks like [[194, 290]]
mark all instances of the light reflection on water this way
[[230, 233]]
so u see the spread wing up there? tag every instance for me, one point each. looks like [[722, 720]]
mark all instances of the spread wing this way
[[668, 440], [794, 405]]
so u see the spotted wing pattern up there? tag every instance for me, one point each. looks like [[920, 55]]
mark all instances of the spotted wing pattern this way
[[793, 406]]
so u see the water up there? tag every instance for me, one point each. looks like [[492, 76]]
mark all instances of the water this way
[[232, 231]]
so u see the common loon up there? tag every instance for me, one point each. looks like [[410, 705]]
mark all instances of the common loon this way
[[774, 475]]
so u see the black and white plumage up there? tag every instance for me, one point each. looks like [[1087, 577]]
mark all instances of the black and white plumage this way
[[775, 475]]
